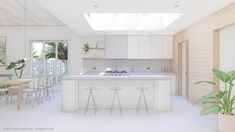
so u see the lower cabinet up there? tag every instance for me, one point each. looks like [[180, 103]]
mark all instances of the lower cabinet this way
[[157, 94], [69, 100], [163, 95]]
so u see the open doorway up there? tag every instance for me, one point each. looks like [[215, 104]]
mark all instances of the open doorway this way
[[183, 69]]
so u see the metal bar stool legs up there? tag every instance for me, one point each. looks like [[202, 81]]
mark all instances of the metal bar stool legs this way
[[142, 95], [114, 97], [90, 97]]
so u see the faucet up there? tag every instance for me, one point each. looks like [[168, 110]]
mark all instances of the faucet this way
[[133, 69]]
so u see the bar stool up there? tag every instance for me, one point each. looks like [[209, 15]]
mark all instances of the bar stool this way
[[90, 96], [114, 96], [142, 89]]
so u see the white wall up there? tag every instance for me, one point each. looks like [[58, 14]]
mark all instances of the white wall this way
[[227, 49], [17, 49]]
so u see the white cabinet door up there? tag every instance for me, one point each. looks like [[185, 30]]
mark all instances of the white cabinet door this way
[[156, 47], [133, 47], [163, 95], [116, 47], [69, 95], [167, 47], [144, 47]]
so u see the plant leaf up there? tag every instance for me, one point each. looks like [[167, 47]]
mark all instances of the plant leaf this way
[[11, 66], [211, 83], [211, 109], [223, 76], [232, 74], [221, 94], [212, 101], [206, 97], [208, 82]]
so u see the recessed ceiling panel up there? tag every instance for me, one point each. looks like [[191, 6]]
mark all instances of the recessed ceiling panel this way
[[130, 21]]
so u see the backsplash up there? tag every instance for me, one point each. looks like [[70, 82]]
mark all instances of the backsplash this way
[[127, 65]]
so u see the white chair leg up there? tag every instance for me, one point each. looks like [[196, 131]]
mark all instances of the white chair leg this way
[[52, 92], [27, 97], [0, 97]]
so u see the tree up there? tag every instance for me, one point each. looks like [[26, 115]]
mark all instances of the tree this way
[[62, 48]]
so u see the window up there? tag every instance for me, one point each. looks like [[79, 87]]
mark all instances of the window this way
[[50, 58]]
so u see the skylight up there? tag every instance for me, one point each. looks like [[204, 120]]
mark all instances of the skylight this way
[[130, 21]]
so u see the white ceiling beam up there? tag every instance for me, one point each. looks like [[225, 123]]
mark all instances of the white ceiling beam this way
[[35, 19], [10, 16], [53, 18]]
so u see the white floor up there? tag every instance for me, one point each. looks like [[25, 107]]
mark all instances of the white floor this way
[[48, 117]]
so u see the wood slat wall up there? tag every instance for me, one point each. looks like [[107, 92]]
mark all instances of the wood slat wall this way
[[202, 56]]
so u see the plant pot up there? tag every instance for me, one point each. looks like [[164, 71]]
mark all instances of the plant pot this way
[[226, 123]]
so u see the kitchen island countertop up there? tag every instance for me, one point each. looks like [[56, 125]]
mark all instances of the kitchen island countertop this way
[[68, 77]]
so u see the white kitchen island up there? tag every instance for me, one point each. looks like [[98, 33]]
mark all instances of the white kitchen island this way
[[75, 95]]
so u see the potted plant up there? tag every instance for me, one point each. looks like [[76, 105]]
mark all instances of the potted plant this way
[[221, 100], [86, 48], [17, 66]]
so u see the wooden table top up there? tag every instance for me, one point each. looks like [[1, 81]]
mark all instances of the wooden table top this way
[[15, 82]]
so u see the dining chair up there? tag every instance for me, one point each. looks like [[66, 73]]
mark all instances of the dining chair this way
[[4, 93], [33, 92]]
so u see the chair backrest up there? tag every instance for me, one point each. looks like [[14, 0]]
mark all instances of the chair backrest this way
[[37, 83]]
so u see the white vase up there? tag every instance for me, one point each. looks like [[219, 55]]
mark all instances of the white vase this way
[[226, 123]]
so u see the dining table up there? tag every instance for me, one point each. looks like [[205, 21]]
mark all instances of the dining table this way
[[18, 85]]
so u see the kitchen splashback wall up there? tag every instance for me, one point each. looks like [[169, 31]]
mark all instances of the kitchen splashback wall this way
[[127, 65]]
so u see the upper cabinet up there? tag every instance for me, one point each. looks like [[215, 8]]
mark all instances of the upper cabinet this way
[[133, 47], [116, 47], [167, 47], [150, 47], [156, 47], [139, 47], [144, 47]]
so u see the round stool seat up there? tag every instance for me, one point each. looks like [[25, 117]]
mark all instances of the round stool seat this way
[[142, 88]]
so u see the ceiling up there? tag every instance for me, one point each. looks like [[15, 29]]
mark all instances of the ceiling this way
[[12, 13], [70, 12]]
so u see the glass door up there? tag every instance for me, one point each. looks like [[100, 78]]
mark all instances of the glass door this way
[[50, 59]]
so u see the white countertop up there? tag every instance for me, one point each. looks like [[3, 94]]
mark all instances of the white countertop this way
[[133, 75]]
